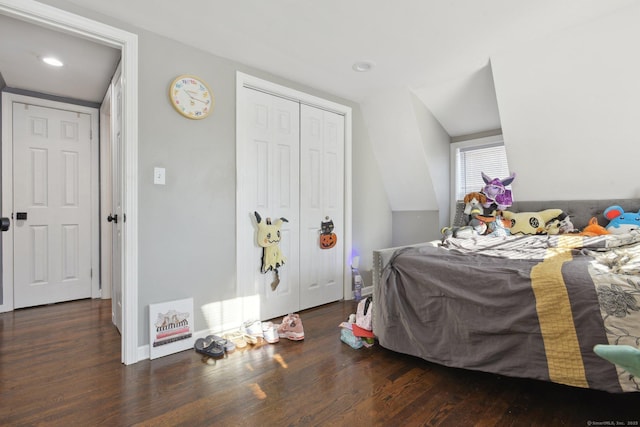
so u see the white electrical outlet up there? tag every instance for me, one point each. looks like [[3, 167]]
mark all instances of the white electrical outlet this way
[[159, 176]]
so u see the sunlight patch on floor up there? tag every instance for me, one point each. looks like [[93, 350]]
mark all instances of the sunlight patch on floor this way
[[278, 358], [257, 391]]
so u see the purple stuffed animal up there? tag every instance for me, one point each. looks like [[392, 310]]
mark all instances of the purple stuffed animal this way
[[496, 192]]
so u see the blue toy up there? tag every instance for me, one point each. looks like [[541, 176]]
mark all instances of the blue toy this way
[[621, 222]]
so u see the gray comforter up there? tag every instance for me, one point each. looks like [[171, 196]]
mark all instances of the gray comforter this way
[[524, 306]]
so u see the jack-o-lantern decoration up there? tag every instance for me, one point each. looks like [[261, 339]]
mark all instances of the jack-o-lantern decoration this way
[[328, 238]]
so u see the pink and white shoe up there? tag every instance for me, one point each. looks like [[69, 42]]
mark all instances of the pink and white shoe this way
[[291, 328]]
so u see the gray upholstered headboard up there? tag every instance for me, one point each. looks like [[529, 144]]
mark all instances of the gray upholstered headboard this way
[[580, 211]]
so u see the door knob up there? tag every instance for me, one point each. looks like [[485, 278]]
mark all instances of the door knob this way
[[113, 218], [4, 223]]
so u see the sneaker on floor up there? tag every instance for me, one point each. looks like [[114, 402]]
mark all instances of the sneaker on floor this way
[[270, 333], [291, 328], [280, 329], [253, 328]]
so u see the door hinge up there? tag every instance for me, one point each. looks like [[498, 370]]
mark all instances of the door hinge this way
[[91, 273]]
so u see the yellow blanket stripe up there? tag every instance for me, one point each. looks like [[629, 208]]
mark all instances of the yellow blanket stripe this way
[[556, 320]]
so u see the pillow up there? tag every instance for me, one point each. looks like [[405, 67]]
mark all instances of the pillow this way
[[530, 222]]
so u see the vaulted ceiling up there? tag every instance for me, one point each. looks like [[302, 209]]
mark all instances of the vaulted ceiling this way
[[439, 49], [436, 50]]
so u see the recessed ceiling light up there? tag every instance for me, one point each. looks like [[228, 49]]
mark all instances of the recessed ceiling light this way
[[55, 62], [363, 66]]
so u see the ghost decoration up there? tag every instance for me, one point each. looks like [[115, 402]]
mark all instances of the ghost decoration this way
[[268, 238]]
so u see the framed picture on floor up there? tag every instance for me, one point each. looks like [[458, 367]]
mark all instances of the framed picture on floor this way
[[170, 327]]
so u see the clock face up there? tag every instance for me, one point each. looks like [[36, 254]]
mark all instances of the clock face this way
[[191, 97]]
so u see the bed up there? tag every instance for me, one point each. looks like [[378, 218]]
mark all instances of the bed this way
[[530, 306]]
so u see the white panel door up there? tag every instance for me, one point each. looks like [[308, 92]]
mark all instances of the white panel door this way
[[116, 203], [321, 196], [270, 155], [52, 188]]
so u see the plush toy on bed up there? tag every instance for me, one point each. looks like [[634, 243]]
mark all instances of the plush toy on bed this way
[[496, 192], [594, 229], [499, 227], [560, 225], [473, 205], [474, 211], [565, 226], [474, 224], [531, 222], [621, 222], [464, 232], [552, 227]]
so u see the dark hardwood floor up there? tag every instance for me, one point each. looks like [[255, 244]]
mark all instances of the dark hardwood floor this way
[[60, 365]]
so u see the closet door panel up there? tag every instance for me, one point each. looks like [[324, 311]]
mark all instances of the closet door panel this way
[[270, 179], [321, 196]]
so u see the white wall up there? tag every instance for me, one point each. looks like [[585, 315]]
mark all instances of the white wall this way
[[187, 227], [393, 130], [372, 217], [435, 143], [569, 106], [412, 152]]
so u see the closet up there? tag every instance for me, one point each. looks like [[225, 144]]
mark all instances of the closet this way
[[290, 164]]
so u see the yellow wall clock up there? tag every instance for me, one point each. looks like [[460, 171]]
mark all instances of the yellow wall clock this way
[[191, 97]]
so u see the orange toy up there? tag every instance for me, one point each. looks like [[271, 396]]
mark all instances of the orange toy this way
[[594, 229]]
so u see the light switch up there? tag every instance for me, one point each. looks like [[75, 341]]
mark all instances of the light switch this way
[[159, 176]]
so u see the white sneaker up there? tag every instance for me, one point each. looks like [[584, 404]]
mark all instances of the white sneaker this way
[[253, 328], [270, 333]]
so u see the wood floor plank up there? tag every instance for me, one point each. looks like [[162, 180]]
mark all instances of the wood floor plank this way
[[60, 366]]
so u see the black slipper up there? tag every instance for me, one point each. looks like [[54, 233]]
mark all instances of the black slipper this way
[[209, 347]]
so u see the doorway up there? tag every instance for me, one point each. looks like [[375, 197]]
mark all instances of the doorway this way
[[48, 16], [51, 178]]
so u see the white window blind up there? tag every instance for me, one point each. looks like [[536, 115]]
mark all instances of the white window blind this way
[[471, 161]]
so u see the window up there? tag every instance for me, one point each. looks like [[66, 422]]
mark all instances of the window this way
[[471, 158]]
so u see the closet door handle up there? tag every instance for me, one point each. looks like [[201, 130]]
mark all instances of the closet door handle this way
[[113, 218]]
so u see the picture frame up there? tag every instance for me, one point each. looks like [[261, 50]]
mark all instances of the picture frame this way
[[170, 327]]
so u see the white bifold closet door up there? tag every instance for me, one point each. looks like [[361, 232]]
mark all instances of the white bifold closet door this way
[[292, 166], [321, 196]]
